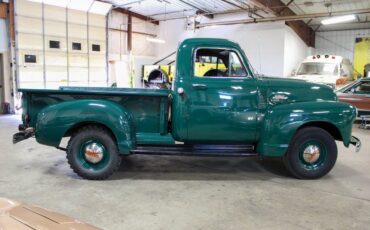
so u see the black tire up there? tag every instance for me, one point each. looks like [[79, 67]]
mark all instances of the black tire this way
[[308, 140], [79, 160]]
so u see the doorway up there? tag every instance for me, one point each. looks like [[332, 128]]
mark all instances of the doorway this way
[[2, 96]]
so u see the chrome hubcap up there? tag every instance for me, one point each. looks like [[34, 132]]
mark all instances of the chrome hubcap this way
[[311, 154], [94, 153]]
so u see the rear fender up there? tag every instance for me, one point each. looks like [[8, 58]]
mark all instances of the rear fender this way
[[282, 122], [53, 122]]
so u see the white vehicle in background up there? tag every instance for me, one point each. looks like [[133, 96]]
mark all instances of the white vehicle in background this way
[[331, 70]]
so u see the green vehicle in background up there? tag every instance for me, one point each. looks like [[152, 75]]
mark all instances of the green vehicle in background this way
[[222, 112]]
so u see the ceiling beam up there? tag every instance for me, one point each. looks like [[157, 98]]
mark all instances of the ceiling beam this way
[[129, 32], [288, 19], [305, 32], [136, 15], [242, 8], [199, 10]]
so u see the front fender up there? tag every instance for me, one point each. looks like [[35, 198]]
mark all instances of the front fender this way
[[54, 121], [282, 121]]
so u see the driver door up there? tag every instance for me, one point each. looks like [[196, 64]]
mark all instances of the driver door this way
[[223, 101]]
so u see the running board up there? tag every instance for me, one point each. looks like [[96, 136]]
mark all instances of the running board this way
[[198, 150]]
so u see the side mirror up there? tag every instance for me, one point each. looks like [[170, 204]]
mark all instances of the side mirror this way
[[293, 72], [353, 90]]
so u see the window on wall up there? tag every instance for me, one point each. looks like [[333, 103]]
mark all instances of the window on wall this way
[[29, 58], [218, 63], [95, 47], [54, 44], [76, 46]]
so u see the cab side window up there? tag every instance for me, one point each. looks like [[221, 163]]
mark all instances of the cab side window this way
[[218, 63]]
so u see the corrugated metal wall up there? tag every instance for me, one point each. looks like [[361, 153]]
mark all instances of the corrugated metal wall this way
[[339, 42], [55, 46]]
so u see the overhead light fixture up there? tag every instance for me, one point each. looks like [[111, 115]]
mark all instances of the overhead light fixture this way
[[155, 40], [339, 19]]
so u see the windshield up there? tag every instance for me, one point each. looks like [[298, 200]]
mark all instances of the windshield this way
[[314, 68]]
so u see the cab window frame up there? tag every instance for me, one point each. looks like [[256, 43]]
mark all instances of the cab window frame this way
[[247, 71]]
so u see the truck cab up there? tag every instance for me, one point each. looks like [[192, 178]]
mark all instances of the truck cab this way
[[224, 111]]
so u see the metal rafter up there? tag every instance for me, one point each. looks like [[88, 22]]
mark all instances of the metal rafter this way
[[136, 15], [240, 7], [199, 10], [305, 32]]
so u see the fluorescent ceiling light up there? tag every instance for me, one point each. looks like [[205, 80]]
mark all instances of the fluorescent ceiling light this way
[[155, 40], [100, 8], [82, 5], [339, 19]]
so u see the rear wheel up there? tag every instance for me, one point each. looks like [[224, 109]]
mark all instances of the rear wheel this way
[[311, 154], [92, 153]]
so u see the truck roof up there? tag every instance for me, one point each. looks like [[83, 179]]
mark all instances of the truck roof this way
[[209, 42]]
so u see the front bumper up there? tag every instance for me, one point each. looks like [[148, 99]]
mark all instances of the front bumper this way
[[356, 142], [24, 134]]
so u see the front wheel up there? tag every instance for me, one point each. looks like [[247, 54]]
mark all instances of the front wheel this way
[[92, 153], [311, 154]]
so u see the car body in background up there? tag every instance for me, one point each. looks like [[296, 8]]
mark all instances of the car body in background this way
[[19, 216], [331, 70], [357, 94]]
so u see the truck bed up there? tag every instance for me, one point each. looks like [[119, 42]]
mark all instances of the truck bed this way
[[148, 107]]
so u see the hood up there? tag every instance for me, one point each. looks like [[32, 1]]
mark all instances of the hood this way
[[326, 79], [284, 90]]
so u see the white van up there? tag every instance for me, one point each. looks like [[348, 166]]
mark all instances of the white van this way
[[331, 70]]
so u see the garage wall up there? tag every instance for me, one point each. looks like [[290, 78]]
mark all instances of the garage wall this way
[[295, 51], [63, 47], [143, 51], [3, 36], [272, 48], [265, 55], [338, 42], [4, 71]]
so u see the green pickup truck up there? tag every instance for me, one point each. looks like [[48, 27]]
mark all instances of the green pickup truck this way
[[224, 112]]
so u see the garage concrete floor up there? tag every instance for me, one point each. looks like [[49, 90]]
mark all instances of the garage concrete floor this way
[[151, 192]]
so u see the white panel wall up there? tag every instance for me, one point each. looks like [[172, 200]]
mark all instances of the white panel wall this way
[[5, 94], [339, 42], [143, 52], [30, 42], [3, 37], [295, 50], [272, 48], [37, 25]]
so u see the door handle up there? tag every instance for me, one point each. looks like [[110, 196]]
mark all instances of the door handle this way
[[199, 86]]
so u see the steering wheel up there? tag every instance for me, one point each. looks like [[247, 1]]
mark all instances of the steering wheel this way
[[214, 73]]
